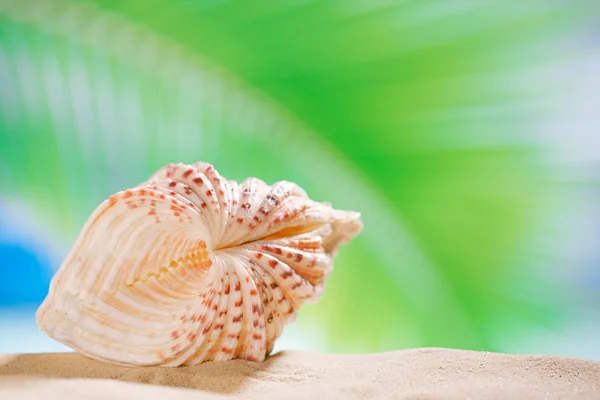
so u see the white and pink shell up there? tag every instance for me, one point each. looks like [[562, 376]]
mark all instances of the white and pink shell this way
[[189, 267]]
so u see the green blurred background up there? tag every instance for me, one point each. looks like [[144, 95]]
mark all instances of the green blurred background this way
[[466, 132]]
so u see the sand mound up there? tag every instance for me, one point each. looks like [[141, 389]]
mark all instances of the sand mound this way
[[412, 374]]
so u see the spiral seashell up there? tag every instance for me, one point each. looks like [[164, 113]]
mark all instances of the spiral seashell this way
[[189, 267]]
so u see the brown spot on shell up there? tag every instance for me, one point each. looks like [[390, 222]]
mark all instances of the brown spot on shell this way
[[286, 274]]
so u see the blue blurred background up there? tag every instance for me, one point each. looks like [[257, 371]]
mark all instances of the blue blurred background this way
[[466, 132]]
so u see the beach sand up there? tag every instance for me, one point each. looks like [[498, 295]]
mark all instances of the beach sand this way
[[411, 374]]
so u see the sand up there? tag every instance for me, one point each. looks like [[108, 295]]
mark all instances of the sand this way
[[411, 374]]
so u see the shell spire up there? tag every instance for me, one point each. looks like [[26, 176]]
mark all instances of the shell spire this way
[[189, 267]]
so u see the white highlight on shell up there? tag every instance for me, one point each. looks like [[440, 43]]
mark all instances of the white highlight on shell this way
[[189, 267]]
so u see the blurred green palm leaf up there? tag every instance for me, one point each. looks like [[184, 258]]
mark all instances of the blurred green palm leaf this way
[[413, 113]]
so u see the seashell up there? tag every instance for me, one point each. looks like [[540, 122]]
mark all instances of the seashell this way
[[189, 267]]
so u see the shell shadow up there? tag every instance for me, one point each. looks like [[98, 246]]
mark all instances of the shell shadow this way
[[226, 377]]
